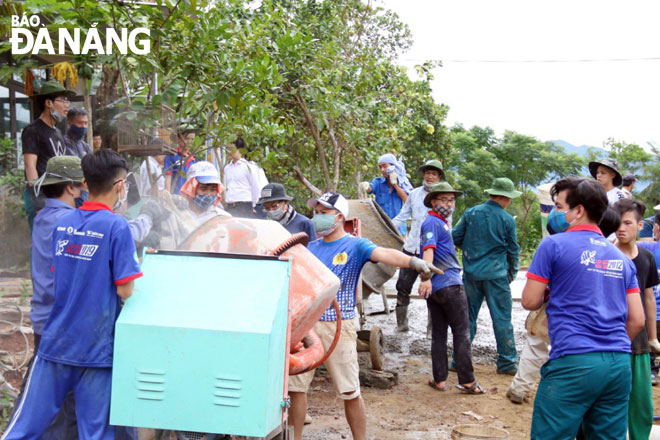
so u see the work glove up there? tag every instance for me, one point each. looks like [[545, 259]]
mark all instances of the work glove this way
[[154, 211], [152, 240], [426, 270], [655, 346], [394, 179], [363, 190]]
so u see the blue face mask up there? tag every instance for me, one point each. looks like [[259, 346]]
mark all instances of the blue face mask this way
[[77, 132], [203, 202], [557, 220], [84, 196], [324, 223]]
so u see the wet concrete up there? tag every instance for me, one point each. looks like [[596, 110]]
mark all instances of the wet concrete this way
[[399, 346]]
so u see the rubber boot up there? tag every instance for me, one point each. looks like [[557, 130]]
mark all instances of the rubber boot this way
[[402, 319], [429, 324]]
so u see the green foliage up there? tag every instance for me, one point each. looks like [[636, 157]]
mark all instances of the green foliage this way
[[311, 85], [6, 405], [478, 157], [630, 157]]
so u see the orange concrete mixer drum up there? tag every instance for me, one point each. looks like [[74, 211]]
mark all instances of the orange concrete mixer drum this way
[[313, 286]]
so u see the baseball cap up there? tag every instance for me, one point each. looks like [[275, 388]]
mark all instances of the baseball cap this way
[[331, 200], [204, 172]]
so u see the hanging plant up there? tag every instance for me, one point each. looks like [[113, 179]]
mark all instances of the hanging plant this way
[[29, 83], [63, 70]]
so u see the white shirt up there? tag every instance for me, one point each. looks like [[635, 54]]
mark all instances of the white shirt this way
[[614, 195], [143, 180], [240, 183], [414, 207]]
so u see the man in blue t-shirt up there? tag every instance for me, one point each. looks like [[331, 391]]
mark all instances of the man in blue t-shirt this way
[[94, 265], [594, 311], [177, 165], [344, 255], [392, 189], [276, 206], [445, 296], [654, 247]]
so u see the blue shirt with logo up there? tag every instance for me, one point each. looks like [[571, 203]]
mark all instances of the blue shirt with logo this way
[[388, 199], [435, 234], [300, 223], [42, 260], [654, 247], [93, 254], [589, 280], [345, 258], [171, 168]]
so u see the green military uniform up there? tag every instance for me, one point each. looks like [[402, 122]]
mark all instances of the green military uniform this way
[[487, 235]]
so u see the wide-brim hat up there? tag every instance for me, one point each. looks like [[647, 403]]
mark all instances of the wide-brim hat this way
[[503, 187], [432, 164], [609, 163], [273, 192], [63, 169], [331, 200], [439, 188], [53, 88]]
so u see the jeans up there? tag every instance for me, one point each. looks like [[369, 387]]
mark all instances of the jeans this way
[[591, 390], [404, 284], [448, 307], [498, 297]]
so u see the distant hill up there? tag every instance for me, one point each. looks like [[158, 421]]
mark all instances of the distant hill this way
[[582, 150]]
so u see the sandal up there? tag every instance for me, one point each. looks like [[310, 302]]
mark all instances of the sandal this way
[[474, 389], [433, 385]]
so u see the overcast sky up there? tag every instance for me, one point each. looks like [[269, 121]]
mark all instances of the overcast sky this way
[[580, 102]]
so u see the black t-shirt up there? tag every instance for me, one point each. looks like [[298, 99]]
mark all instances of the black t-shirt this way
[[46, 142], [647, 276]]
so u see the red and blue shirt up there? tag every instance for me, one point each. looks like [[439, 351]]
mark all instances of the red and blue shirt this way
[[435, 234], [93, 253], [589, 280], [171, 167], [345, 258]]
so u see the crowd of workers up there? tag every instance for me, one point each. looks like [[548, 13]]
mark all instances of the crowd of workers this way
[[591, 277]]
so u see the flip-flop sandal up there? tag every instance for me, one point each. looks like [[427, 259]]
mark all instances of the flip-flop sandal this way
[[436, 387], [474, 389]]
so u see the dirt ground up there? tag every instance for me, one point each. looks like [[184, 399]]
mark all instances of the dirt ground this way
[[409, 410], [413, 410]]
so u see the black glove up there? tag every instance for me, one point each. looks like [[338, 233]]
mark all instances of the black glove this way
[[152, 240], [154, 211]]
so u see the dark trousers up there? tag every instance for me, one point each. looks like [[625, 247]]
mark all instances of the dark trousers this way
[[65, 425], [448, 307], [497, 294], [655, 360], [240, 209], [407, 278]]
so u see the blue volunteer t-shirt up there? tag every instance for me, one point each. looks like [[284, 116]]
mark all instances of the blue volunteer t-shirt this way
[[436, 234], [388, 199], [655, 249], [93, 254], [345, 258], [171, 167], [589, 279]]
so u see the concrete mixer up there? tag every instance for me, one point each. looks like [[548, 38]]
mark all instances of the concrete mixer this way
[[213, 330]]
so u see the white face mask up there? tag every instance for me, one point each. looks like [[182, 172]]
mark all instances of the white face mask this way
[[121, 200]]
